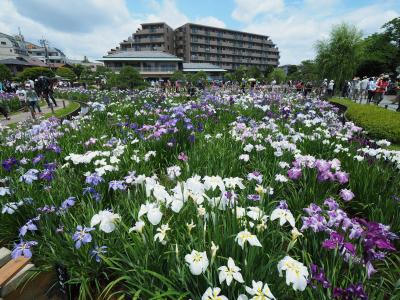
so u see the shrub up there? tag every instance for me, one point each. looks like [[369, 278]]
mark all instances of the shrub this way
[[66, 73], [379, 122], [5, 73]]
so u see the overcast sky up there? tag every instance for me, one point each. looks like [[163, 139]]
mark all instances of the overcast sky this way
[[92, 27]]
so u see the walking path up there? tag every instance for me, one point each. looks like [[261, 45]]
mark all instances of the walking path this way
[[388, 101], [23, 116]]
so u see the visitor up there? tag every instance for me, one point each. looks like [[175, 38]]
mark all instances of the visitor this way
[[331, 88], [299, 86], [346, 90], [324, 87], [371, 87], [381, 87], [307, 89], [53, 83], [1, 87], [21, 94], [355, 89], [33, 100], [364, 88]]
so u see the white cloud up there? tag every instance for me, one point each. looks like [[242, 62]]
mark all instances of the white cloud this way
[[246, 10], [295, 30], [167, 12], [210, 21]]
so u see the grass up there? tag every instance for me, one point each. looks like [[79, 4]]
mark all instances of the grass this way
[[380, 123], [72, 106]]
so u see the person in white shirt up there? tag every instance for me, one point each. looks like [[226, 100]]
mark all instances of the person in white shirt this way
[[21, 94], [364, 88], [371, 89]]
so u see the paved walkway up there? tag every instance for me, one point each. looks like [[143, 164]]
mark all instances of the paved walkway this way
[[23, 116], [388, 101]]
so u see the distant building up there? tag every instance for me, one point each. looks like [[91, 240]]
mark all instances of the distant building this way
[[11, 47], [228, 49], [85, 62], [286, 68], [213, 72], [47, 54], [150, 64]]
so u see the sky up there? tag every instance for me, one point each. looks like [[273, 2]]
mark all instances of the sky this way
[[93, 27]]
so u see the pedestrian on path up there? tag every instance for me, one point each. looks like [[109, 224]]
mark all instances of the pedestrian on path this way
[[21, 93], [33, 100], [381, 87], [371, 89], [364, 89]]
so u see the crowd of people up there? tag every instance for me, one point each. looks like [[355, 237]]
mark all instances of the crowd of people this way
[[30, 93]]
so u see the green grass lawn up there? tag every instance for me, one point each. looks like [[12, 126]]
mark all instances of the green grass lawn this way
[[380, 123], [72, 106]]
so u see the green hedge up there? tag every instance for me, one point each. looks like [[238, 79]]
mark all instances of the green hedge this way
[[380, 123]]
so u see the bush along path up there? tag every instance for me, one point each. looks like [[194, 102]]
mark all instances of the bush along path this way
[[380, 123], [59, 111], [223, 196]]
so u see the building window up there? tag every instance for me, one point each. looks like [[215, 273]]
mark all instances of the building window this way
[[3, 43]]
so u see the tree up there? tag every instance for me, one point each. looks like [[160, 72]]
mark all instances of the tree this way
[[177, 76], [34, 72], [129, 78], [228, 76], [239, 73], [339, 56], [268, 70], [378, 55], [5, 73], [66, 73], [306, 71], [254, 72], [278, 75], [78, 69], [392, 30], [292, 69]]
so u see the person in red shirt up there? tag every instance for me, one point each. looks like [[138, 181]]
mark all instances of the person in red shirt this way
[[381, 87]]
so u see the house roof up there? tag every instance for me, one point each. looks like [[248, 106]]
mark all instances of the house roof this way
[[196, 67], [140, 56], [14, 61]]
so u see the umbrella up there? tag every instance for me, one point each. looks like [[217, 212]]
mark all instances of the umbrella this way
[[251, 79]]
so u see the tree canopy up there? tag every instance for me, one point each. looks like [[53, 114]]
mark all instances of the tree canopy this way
[[5, 73], [66, 73], [34, 73]]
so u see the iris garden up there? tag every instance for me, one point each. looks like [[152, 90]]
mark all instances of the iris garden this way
[[221, 196]]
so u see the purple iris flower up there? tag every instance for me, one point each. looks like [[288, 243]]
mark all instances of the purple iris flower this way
[[55, 148], [116, 185], [47, 175], [28, 226], [322, 165], [69, 202], [318, 276], [346, 195], [9, 163], [331, 203], [29, 176], [82, 236], [326, 176], [353, 291], [98, 250], [342, 177], [254, 197], [312, 209], [183, 157], [37, 159], [335, 240], [94, 179], [23, 249], [294, 173], [283, 204], [90, 190]]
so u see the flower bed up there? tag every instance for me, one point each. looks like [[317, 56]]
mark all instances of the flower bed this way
[[10, 101], [228, 196]]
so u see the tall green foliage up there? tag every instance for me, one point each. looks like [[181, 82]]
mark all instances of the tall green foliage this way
[[338, 57], [5, 73], [34, 72], [278, 75], [66, 73]]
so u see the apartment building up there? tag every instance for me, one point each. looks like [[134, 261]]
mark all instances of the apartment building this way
[[150, 37], [48, 54], [228, 49]]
